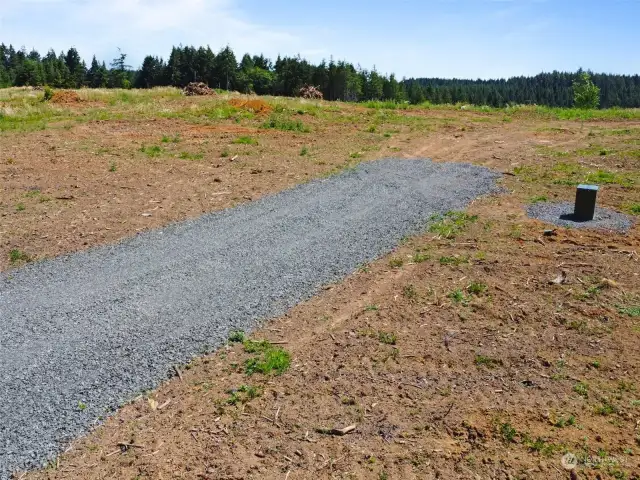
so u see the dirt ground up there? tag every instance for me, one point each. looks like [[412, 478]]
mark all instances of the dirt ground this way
[[456, 356]]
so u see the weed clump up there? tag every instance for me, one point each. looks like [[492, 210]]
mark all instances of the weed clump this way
[[271, 359]]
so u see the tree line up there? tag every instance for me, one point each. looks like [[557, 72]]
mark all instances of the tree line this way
[[338, 80]]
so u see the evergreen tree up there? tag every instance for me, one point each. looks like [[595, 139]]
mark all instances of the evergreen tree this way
[[225, 68], [585, 93], [151, 73], [119, 76]]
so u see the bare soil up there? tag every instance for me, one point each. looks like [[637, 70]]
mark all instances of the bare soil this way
[[456, 356]]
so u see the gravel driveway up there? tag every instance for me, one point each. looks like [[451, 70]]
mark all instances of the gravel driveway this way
[[82, 333]]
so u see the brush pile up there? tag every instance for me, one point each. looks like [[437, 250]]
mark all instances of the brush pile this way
[[197, 89], [311, 92]]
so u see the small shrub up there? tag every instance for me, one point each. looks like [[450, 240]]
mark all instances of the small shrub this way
[[225, 153], [304, 151], [356, 155], [82, 406], [48, 93], [20, 207], [371, 308], [113, 167], [244, 140], [371, 129], [635, 208]]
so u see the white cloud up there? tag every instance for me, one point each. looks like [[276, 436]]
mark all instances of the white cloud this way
[[143, 27]]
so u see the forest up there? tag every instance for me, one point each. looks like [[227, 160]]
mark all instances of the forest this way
[[338, 80]]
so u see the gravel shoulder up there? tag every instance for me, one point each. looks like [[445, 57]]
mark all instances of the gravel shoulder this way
[[85, 332], [561, 214]]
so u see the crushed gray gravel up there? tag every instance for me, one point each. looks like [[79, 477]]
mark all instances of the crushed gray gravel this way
[[561, 214], [82, 333]]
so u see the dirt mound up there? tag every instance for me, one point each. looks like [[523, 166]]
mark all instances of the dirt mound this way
[[311, 92], [65, 97], [197, 89], [255, 106]]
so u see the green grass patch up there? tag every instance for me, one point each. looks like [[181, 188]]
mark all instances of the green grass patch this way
[[237, 336], [538, 199], [279, 122], [396, 262], [564, 422], [152, 151], [632, 311], [458, 296], [32, 193], [386, 105], [245, 140], [507, 432], [454, 260], [16, 256], [410, 292], [243, 394], [476, 288], [388, 338], [175, 139], [604, 177], [581, 389], [20, 207], [272, 360], [421, 257], [606, 408], [482, 360], [451, 224], [190, 156], [304, 151]]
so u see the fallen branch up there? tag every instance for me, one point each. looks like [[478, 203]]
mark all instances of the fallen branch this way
[[175, 367], [336, 431]]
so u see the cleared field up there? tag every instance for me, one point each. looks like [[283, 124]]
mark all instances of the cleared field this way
[[455, 357]]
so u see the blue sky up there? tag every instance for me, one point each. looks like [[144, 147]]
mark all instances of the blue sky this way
[[445, 38]]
